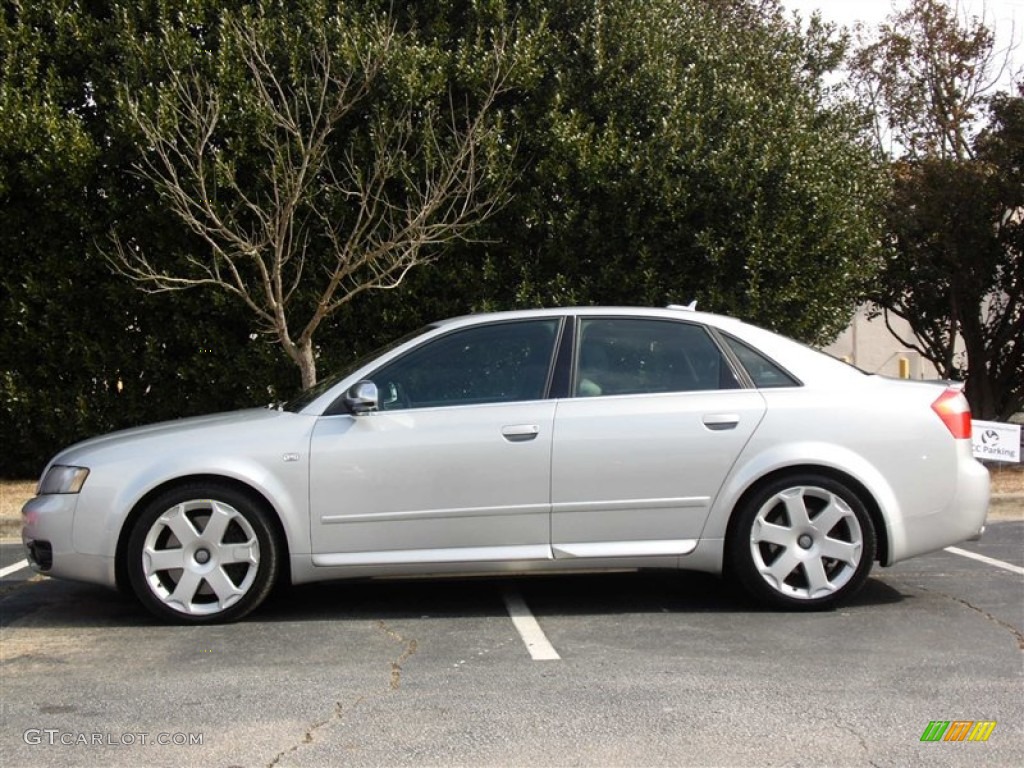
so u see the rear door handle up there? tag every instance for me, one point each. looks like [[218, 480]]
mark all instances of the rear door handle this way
[[719, 422], [519, 433]]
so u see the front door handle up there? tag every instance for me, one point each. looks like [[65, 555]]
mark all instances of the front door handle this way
[[719, 422], [519, 433]]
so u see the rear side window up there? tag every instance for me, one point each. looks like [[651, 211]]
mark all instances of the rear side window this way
[[628, 356], [763, 372]]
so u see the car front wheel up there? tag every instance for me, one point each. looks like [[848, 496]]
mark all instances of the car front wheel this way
[[802, 542], [202, 554]]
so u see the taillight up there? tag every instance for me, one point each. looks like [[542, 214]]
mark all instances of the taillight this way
[[955, 413]]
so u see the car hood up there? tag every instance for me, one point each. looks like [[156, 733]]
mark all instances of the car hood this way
[[179, 432]]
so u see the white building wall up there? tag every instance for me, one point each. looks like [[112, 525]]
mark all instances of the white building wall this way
[[869, 345]]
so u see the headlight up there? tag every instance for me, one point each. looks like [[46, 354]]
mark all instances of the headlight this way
[[62, 480]]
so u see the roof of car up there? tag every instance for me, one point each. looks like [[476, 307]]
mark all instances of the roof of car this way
[[674, 312]]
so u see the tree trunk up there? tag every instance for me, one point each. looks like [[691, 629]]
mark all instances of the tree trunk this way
[[302, 355], [979, 390], [306, 361]]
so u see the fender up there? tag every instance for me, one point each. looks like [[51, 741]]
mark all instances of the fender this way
[[756, 463]]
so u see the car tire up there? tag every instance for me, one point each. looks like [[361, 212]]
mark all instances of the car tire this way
[[201, 554], [802, 542]]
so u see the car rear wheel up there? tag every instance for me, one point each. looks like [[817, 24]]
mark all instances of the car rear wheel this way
[[202, 554], [802, 542]]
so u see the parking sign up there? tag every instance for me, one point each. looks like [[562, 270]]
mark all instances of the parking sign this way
[[996, 442]]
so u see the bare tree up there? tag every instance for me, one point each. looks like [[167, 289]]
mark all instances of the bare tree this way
[[924, 74], [952, 265], [345, 195]]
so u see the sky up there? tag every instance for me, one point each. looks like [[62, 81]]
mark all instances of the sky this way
[[1007, 16], [871, 12]]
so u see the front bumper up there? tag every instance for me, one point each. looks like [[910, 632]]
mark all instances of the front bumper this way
[[47, 533]]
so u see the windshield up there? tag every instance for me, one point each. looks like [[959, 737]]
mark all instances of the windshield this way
[[307, 396]]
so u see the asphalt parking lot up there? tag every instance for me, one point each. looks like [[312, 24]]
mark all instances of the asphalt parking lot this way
[[651, 669]]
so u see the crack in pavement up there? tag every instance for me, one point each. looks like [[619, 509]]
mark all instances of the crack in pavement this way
[[396, 665], [860, 738], [310, 734], [994, 619], [394, 683]]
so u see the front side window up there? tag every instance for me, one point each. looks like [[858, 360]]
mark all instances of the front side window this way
[[628, 356], [499, 363]]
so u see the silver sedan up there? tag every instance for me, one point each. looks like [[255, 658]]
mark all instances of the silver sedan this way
[[543, 440]]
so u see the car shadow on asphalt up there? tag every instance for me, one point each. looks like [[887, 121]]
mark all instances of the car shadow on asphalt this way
[[546, 595], [56, 603]]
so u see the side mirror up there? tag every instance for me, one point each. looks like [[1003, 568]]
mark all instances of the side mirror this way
[[361, 398]]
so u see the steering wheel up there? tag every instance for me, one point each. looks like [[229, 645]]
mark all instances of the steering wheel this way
[[395, 397]]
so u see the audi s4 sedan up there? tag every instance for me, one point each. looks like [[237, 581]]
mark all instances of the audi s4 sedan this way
[[532, 441]]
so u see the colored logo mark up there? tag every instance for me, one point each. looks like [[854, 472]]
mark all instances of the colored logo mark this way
[[958, 730]]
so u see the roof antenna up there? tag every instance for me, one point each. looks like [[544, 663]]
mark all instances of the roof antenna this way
[[691, 307]]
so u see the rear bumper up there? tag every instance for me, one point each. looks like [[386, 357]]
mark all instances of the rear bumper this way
[[962, 518]]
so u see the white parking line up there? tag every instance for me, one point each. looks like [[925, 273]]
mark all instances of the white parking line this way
[[990, 560], [5, 572], [536, 641]]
